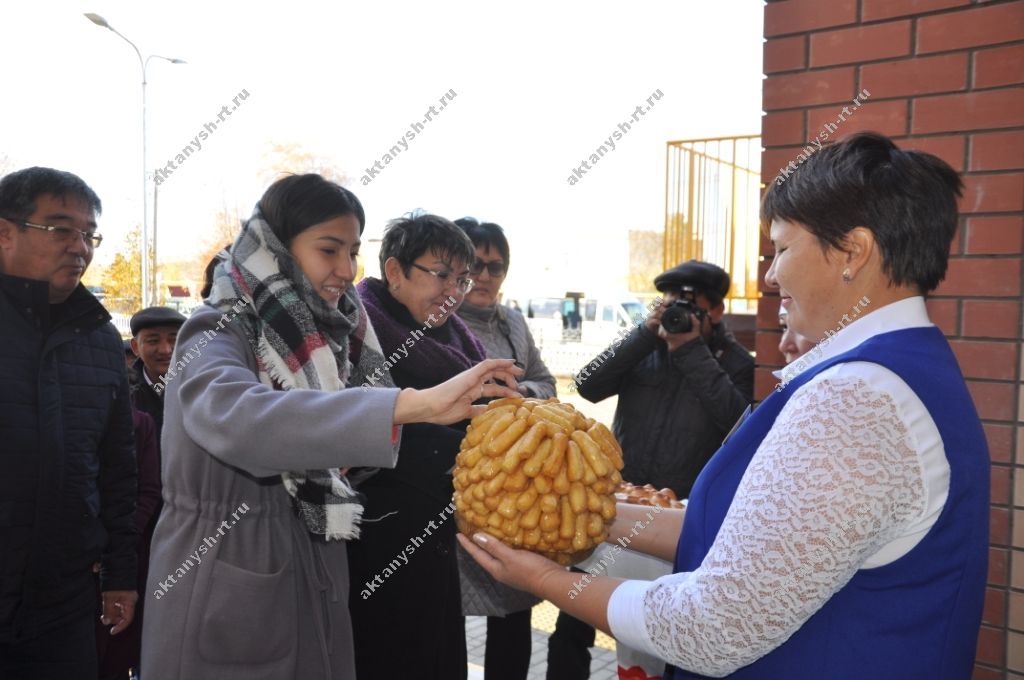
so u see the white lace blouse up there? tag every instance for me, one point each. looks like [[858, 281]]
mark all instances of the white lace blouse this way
[[851, 476]]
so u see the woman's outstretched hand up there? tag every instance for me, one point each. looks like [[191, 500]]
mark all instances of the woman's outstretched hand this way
[[536, 574], [521, 569], [452, 400]]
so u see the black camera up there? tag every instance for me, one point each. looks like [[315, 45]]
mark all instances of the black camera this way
[[676, 317]]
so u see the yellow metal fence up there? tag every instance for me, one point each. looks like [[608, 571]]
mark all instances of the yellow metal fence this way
[[712, 194]]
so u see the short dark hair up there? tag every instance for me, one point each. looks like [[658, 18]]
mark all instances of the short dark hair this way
[[20, 189], [295, 203], [908, 199], [486, 234], [408, 237]]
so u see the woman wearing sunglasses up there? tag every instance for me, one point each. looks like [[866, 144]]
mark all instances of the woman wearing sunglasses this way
[[502, 330], [505, 335]]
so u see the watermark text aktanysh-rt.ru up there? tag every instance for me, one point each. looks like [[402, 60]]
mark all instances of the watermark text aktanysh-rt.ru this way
[[187, 356], [195, 559], [813, 354], [161, 174], [404, 348], [609, 144], [402, 558], [415, 128], [815, 145], [607, 558], [579, 377]]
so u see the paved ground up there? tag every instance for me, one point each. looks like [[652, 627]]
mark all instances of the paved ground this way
[[603, 411], [602, 667]]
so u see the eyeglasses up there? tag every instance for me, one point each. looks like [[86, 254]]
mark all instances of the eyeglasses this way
[[494, 268], [63, 234], [461, 284]]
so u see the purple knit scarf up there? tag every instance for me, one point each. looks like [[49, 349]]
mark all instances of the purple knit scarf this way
[[419, 356]]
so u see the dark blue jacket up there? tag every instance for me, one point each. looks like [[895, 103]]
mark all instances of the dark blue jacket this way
[[67, 458]]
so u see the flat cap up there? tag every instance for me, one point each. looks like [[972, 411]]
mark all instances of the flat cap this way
[[705, 277], [155, 316]]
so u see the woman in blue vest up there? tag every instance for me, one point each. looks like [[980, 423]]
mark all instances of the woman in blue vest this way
[[842, 530]]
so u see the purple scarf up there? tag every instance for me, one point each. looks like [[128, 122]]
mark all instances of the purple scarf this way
[[418, 356]]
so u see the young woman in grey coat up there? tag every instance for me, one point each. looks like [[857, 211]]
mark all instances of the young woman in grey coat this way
[[504, 334], [248, 573]]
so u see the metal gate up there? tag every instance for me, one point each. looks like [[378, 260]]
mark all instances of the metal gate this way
[[712, 195]]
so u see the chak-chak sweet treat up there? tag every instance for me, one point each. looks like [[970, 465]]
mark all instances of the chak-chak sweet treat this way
[[538, 475]]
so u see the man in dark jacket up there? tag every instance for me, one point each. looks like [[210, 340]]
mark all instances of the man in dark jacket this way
[[679, 395], [154, 332], [67, 454]]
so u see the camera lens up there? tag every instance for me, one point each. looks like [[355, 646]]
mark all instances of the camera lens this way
[[676, 319]]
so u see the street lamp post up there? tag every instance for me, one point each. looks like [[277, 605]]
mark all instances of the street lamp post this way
[[147, 278]]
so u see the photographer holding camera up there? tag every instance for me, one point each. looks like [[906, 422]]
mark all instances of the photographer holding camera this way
[[682, 381]]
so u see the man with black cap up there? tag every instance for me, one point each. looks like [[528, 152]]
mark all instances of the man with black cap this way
[[679, 395], [679, 392], [154, 332]]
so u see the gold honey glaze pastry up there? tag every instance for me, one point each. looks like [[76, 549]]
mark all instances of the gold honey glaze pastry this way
[[538, 474]]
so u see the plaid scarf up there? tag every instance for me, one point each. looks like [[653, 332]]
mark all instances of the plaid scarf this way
[[300, 342]]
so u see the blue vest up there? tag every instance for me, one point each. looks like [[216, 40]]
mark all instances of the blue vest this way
[[917, 617]]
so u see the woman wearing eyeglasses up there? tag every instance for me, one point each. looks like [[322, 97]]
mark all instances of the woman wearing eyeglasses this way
[[505, 335], [405, 561]]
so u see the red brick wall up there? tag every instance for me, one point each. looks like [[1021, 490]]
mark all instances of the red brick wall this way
[[947, 77]]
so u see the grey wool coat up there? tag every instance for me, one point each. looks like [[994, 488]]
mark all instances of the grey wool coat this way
[[505, 335], [238, 589]]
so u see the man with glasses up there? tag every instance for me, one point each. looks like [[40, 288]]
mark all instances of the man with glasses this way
[[67, 462]]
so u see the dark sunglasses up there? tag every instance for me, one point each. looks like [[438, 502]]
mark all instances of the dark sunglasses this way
[[493, 268]]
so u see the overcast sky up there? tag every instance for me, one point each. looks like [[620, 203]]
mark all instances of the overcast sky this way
[[538, 87]]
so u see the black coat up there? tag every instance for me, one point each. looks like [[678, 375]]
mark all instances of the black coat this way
[[145, 398], [414, 616], [673, 409], [67, 458]]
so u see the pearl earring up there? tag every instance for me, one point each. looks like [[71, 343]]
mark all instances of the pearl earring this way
[[846, 276]]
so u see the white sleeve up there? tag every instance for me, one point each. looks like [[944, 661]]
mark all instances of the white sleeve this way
[[836, 478]]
